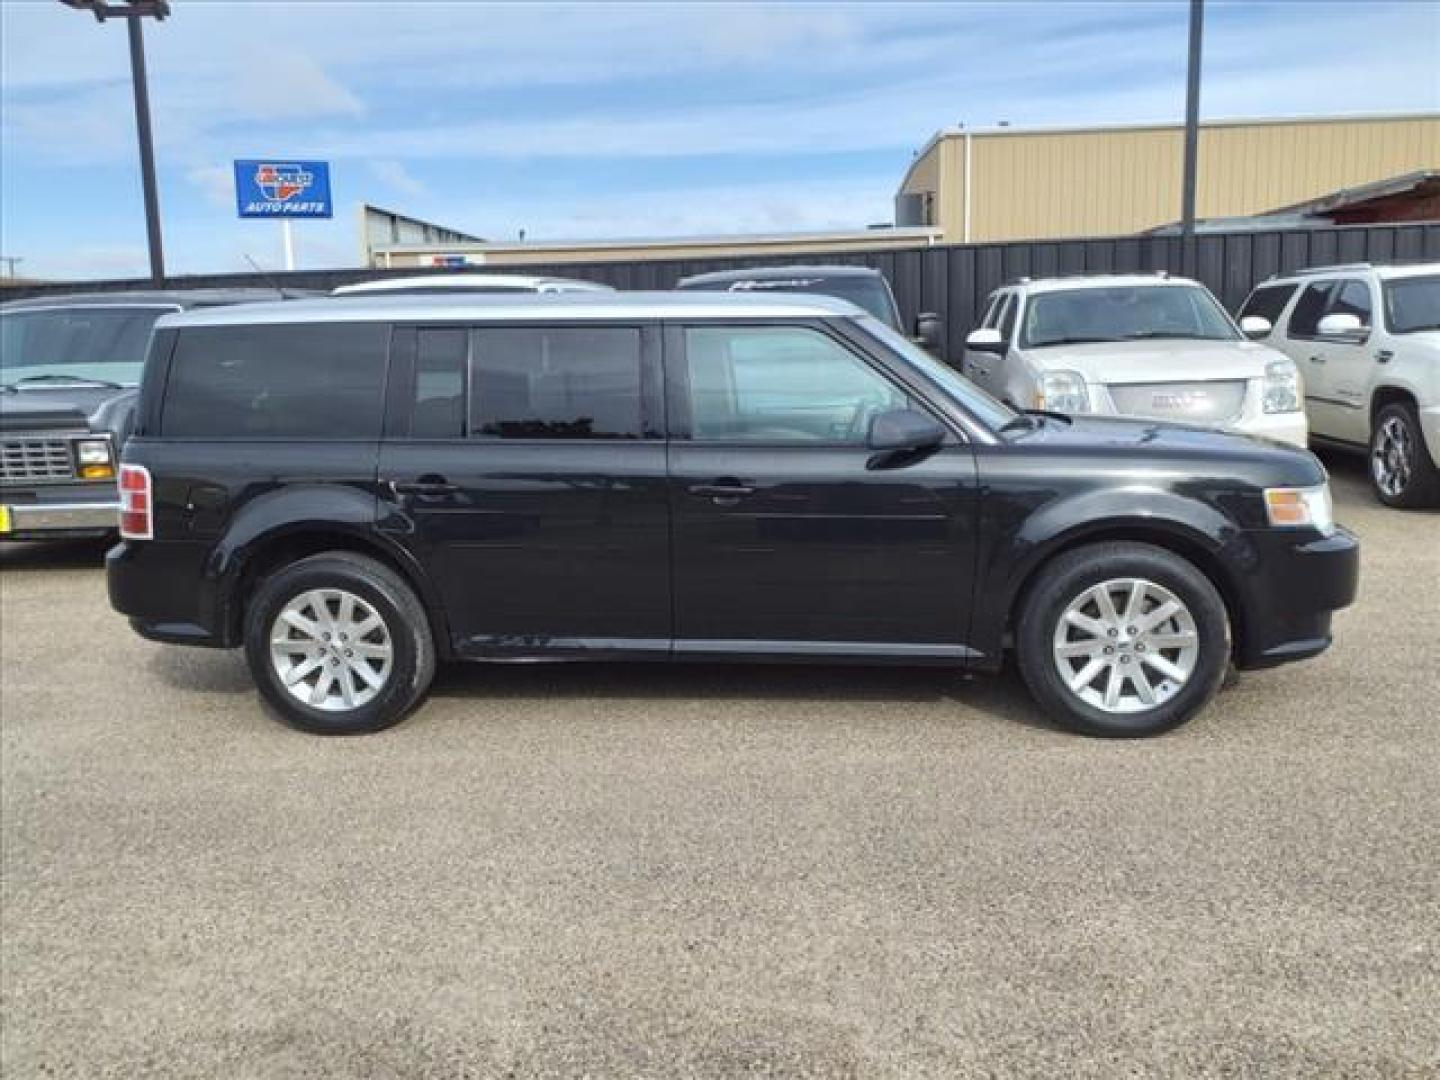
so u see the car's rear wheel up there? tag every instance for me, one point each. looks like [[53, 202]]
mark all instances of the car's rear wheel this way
[[1123, 640], [1401, 470], [339, 644]]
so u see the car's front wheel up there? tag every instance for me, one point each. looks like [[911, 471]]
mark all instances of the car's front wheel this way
[[1123, 640], [1401, 470], [339, 644]]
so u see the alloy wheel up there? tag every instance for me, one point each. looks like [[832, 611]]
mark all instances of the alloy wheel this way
[[1127, 645], [1392, 459], [331, 650]]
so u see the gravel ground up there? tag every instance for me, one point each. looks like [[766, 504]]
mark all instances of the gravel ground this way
[[704, 871]]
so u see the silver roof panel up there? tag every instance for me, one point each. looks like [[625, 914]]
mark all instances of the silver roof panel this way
[[499, 307]]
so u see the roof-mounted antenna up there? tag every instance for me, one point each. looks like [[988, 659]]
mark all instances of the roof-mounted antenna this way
[[269, 278]]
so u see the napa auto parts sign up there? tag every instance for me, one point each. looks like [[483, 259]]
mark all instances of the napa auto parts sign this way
[[278, 188]]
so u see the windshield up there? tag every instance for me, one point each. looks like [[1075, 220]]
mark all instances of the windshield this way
[[868, 293], [1125, 313], [1413, 304], [102, 343], [978, 403]]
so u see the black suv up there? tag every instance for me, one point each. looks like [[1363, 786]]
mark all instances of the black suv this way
[[69, 365], [354, 490]]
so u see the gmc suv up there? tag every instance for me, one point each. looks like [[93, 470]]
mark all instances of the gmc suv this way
[[354, 490], [1368, 340]]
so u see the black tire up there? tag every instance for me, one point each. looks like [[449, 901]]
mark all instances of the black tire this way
[[1422, 486], [412, 648], [1068, 577]]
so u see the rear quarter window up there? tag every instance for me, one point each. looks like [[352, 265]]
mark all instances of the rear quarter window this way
[[313, 381]]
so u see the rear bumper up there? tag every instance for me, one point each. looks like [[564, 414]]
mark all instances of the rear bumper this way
[[1293, 590], [162, 589], [71, 511]]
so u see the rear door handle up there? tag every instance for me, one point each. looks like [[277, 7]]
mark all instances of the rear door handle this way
[[722, 490], [1317, 359]]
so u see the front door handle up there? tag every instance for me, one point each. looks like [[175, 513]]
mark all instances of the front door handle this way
[[423, 488], [723, 491], [1317, 359]]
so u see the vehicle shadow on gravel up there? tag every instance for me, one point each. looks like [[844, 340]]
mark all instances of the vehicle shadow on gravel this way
[[211, 671], [54, 555], [1003, 697]]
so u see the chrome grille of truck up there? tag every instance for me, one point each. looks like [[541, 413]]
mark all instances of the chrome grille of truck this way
[[29, 459], [1195, 402]]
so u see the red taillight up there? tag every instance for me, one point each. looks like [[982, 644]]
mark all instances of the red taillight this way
[[135, 520]]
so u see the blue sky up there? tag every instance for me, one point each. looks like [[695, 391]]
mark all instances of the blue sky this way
[[594, 120]]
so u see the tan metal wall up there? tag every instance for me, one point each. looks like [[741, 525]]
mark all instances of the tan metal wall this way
[[1041, 185]]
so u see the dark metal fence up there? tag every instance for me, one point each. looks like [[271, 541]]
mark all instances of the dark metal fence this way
[[953, 280]]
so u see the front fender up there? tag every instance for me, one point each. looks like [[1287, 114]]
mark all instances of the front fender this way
[[1144, 513]]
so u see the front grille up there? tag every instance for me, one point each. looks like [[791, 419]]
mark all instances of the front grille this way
[[1194, 402], [30, 459]]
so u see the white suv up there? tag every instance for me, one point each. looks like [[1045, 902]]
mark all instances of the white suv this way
[[1143, 345], [1367, 339]]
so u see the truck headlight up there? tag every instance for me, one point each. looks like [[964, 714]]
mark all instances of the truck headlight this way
[[93, 451], [1063, 392], [1301, 508], [1282, 387], [93, 458]]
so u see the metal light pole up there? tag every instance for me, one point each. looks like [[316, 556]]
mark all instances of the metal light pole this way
[[1192, 140], [132, 13]]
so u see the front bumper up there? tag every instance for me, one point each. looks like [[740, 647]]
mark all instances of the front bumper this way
[[1293, 588], [1290, 427], [48, 515]]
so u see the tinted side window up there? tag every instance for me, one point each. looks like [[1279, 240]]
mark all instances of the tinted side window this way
[[1308, 310], [439, 411], [1268, 302], [313, 381], [1353, 298], [567, 382], [780, 384]]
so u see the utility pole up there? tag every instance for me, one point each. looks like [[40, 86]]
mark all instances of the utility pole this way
[[1192, 140], [132, 13], [10, 261]]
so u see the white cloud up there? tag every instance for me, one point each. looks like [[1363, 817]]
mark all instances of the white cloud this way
[[397, 177]]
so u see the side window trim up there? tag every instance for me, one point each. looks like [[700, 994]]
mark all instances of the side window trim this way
[[677, 381]]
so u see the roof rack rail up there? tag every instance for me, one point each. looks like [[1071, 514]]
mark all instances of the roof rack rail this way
[[1336, 266]]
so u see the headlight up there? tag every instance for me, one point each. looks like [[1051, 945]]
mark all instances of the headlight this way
[[1282, 387], [1063, 392], [93, 451], [1301, 508]]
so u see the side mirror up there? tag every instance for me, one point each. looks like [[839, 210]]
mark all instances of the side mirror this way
[[929, 330], [1341, 324], [1255, 327], [901, 435], [986, 340]]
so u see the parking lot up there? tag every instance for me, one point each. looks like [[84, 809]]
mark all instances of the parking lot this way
[[687, 870]]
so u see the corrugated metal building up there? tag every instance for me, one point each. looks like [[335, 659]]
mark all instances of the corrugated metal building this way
[[1004, 183], [503, 253]]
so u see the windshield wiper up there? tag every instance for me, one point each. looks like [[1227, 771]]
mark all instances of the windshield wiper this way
[[1073, 341], [79, 380]]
